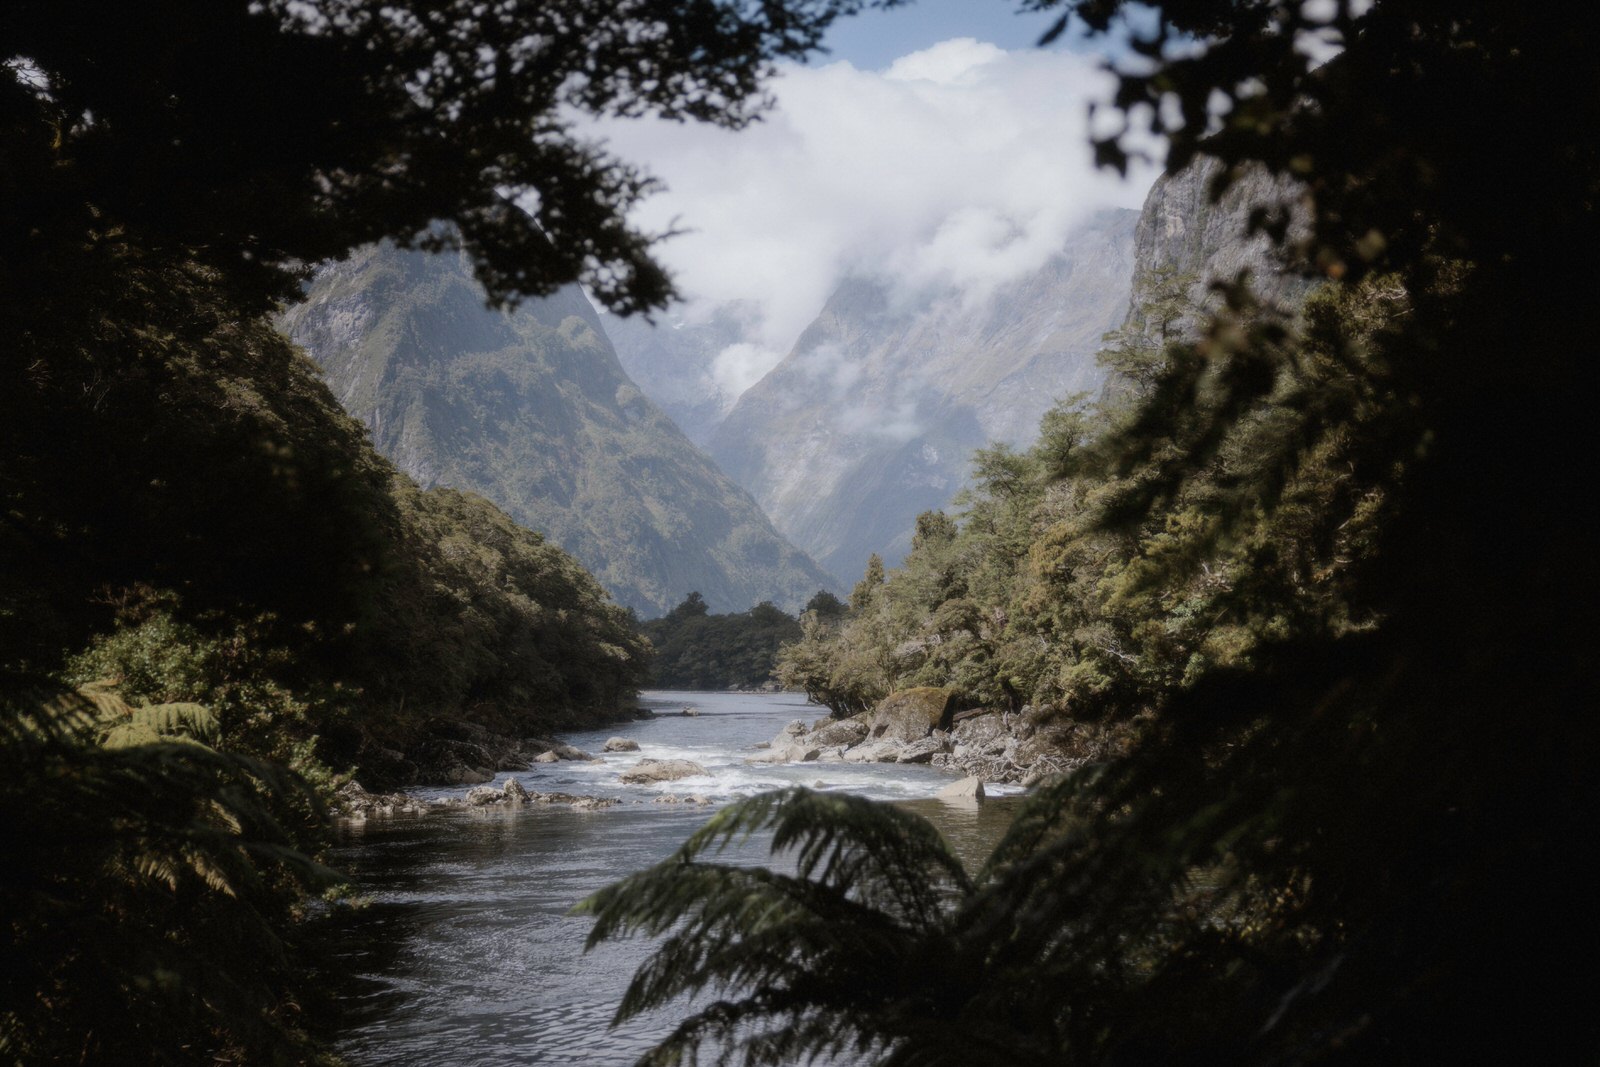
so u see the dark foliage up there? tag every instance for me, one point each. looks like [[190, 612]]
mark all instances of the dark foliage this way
[[190, 483], [1357, 836], [153, 886], [255, 136], [184, 511]]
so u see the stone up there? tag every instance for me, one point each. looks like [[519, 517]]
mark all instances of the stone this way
[[965, 789], [874, 752], [923, 751], [661, 770], [569, 752], [912, 714], [547, 757], [983, 733], [788, 752], [482, 796], [843, 732], [691, 711], [514, 791], [620, 744], [353, 802]]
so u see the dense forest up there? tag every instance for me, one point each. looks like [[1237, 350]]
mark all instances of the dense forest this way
[[739, 650], [216, 601], [1326, 576]]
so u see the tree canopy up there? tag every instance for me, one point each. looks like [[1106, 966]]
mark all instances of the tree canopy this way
[[258, 135]]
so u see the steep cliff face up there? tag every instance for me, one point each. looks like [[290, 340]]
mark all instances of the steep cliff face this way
[[532, 410], [1185, 238], [873, 416]]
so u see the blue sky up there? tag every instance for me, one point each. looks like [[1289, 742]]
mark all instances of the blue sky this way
[[874, 39]]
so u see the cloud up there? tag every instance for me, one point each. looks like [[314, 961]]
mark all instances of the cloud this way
[[962, 163], [741, 365], [828, 365], [898, 422]]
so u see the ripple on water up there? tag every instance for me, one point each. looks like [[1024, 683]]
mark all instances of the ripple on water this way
[[468, 953]]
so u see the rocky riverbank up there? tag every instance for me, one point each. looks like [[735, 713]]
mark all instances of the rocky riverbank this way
[[452, 752], [355, 804], [921, 726]]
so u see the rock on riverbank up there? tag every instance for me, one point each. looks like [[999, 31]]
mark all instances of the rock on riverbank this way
[[661, 770], [356, 804], [921, 726]]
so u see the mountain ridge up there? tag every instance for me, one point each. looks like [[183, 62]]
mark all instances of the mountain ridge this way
[[532, 409], [873, 415]]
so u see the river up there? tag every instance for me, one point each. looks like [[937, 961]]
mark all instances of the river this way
[[467, 952]]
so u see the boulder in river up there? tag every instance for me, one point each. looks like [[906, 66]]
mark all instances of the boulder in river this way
[[482, 796], [547, 757], [965, 789], [620, 744], [661, 770], [791, 752], [354, 802], [514, 791]]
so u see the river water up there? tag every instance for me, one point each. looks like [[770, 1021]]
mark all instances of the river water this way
[[467, 952]]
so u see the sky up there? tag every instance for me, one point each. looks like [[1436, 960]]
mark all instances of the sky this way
[[874, 39], [934, 145]]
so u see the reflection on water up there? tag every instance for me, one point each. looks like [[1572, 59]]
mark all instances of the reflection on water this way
[[467, 952]]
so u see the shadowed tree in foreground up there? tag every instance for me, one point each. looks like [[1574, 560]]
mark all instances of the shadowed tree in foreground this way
[[184, 508], [1361, 843]]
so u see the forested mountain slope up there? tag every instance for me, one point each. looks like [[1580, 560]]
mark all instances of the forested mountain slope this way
[[872, 418], [1016, 599], [531, 409]]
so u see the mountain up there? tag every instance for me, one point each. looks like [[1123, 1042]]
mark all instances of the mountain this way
[[693, 367], [1185, 235], [872, 418], [531, 409]]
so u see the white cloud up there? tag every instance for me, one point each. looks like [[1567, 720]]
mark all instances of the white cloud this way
[[828, 365], [961, 163], [898, 422], [739, 366]]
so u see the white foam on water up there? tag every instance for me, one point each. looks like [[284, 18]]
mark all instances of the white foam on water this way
[[722, 737]]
